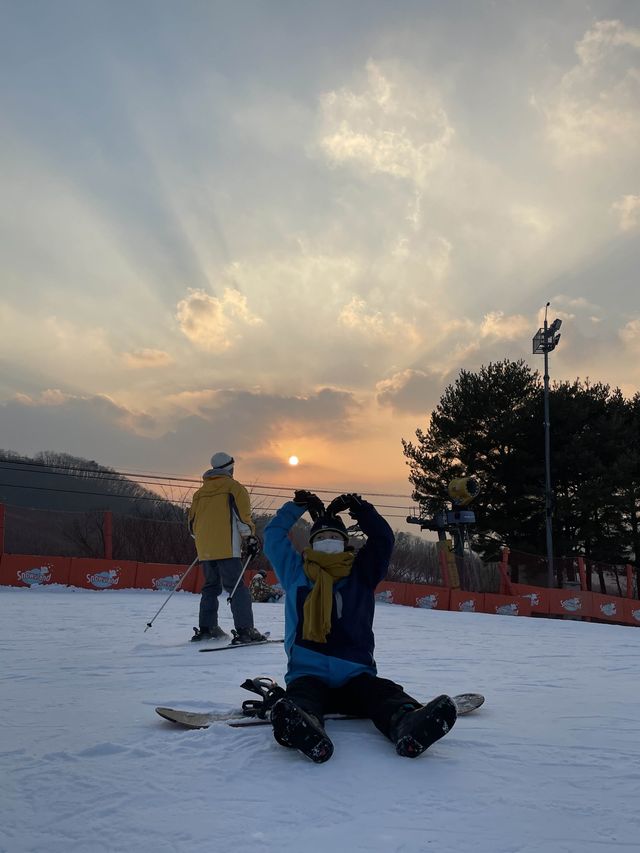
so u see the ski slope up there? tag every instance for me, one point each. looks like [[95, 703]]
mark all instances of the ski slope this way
[[550, 763]]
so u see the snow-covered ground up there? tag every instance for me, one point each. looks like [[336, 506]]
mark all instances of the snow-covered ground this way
[[550, 763]]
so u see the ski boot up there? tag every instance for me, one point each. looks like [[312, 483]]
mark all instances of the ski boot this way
[[209, 634], [294, 728], [247, 635], [413, 730]]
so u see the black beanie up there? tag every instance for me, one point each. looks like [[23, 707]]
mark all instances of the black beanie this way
[[328, 522]]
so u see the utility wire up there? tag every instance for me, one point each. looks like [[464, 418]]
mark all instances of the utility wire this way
[[159, 499], [170, 479]]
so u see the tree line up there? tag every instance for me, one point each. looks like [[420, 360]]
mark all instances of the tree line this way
[[490, 425]]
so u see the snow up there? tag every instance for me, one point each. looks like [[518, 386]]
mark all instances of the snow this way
[[550, 763]]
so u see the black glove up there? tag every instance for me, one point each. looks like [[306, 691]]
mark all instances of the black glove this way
[[351, 502], [311, 502], [253, 546]]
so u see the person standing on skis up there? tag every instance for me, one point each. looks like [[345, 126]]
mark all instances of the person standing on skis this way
[[219, 520], [329, 609]]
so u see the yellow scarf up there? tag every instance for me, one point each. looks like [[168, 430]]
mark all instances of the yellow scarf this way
[[324, 570]]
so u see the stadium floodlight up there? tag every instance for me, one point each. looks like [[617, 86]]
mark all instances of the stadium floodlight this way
[[545, 341]]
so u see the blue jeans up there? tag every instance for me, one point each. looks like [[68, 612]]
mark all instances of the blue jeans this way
[[219, 574]]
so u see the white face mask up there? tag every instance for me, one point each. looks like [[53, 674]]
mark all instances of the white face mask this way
[[328, 546]]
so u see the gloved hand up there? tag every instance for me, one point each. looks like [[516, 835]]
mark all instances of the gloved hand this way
[[311, 502], [253, 546], [352, 502]]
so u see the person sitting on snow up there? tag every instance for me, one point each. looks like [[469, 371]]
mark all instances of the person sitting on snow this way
[[329, 638], [261, 591]]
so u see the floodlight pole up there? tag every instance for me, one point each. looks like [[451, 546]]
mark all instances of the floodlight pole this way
[[547, 459], [545, 340]]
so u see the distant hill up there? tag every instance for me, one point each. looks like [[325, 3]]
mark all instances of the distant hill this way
[[55, 505], [58, 481]]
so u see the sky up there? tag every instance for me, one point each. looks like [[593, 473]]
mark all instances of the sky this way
[[283, 228], [549, 763]]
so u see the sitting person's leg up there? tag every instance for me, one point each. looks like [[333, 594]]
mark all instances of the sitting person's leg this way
[[298, 718], [413, 727]]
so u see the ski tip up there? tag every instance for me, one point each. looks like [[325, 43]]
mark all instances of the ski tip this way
[[166, 713], [186, 719], [467, 702]]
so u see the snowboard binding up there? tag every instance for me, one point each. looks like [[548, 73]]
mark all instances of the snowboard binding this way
[[268, 690]]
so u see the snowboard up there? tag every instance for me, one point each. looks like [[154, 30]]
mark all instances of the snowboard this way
[[465, 704]]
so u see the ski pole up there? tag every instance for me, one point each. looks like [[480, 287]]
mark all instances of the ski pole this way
[[175, 589], [240, 576]]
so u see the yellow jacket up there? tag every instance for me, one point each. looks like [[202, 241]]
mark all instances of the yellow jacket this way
[[220, 515]]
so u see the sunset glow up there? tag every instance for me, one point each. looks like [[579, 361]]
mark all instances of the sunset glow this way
[[202, 251]]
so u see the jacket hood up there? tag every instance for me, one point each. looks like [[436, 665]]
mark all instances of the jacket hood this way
[[214, 485], [211, 472]]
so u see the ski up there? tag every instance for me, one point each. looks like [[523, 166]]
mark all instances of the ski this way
[[465, 704], [239, 645]]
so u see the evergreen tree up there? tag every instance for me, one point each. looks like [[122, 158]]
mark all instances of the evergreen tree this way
[[485, 426], [489, 425]]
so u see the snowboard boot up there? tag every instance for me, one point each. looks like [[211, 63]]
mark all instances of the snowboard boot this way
[[294, 728], [414, 729], [209, 634], [247, 635]]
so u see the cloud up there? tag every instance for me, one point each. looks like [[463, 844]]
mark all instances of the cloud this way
[[497, 326], [595, 108], [376, 326], [74, 405], [597, 43], [179, 438], [630, 336], [574, 302], [628, 209], [386, 127], [215, 324], [410, 391], [143, 358]]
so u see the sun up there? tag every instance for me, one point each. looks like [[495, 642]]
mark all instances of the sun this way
[[293, 460]]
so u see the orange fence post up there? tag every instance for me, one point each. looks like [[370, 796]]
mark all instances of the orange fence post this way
[[629, 569], [583, 575], [107, 527], [1, 528]]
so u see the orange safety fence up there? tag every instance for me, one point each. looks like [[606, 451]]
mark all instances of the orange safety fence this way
[[570, 602], [466, 602], [29, 570], [537, 596], [89, 573], [20, 570], [506, 605], [164, 577], [426, 597], [391, 592], [631, 612]]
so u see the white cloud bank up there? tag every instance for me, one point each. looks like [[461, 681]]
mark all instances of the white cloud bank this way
[[215, 324]]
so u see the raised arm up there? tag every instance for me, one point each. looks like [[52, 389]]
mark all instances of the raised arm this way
[[286, 562], [374, 556]]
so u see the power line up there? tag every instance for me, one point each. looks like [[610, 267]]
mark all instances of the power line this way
[[167, 480], [136, 498], [121, 477], [99, 476]]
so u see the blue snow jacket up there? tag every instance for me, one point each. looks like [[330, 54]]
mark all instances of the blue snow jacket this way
[[349, 648]]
